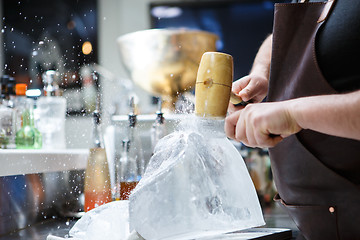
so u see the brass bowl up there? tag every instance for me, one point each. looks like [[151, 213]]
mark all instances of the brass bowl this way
[[164, 62]]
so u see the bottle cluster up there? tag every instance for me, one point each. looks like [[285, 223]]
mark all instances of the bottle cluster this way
[[17, 126], [31, 122], [128, 164]]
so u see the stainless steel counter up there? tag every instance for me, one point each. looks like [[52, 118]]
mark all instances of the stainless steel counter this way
[[274, 216]]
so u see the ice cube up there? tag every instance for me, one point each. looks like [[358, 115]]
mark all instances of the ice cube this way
[[108, 221]]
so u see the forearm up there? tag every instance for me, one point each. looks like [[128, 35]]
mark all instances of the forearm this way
[[337, 115], [262, 60]]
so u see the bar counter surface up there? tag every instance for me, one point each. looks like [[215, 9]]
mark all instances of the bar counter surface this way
[[28, 161], [274, 216]]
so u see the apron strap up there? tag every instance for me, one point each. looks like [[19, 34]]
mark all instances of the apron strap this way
[[326, 10]]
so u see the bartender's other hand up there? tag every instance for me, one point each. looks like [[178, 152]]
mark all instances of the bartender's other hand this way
[[261, 124]]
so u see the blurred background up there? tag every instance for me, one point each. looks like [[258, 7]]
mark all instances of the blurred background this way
[[70, 35]]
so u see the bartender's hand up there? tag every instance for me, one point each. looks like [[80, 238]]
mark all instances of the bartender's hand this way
[[252, 87], [261, 124]]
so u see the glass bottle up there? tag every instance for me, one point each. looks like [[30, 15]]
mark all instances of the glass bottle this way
[[158, 129], [97, 177], [130, 163], [51, 112], [20, 103], [28, 136], [7, 113], [126, 173], [88, 88], [135, 144]]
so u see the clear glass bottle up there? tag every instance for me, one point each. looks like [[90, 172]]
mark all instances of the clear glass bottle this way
[[20, 103], [126, 173], [28, 136], [88, 88], [130, 163], [97, 177], [51, 112]]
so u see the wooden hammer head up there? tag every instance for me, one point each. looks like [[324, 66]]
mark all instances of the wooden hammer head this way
[[213, 84]]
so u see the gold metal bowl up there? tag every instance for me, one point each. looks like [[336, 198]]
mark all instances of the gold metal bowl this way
[[164, 62]]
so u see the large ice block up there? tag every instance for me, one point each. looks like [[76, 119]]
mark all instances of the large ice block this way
[[196, 184]]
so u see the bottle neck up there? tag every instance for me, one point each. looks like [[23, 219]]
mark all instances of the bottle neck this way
[[159, 118], [132, 120], [28, 118], [51, 91], [125, 148], [97, 135], [131, 127], [28, 113], [51, 88]]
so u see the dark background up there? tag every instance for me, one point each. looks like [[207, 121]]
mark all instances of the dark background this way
[[241, 25], [68, 22]]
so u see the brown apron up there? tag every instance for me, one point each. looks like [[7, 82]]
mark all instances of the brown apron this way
[[317, 175]]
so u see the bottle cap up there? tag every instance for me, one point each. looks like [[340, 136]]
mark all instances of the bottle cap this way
[[20, 89], [132, 115], [213, 84], [97, 117]]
